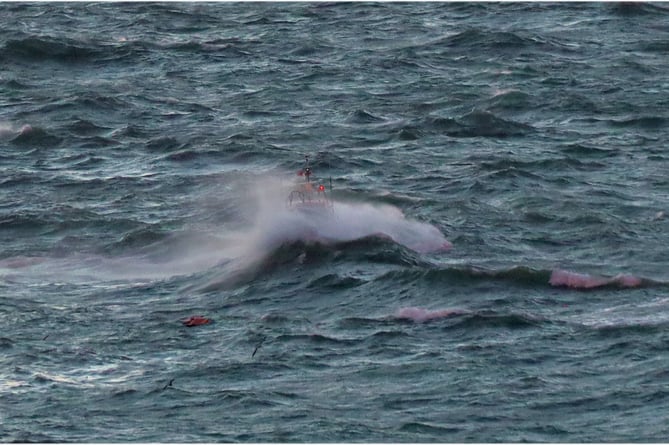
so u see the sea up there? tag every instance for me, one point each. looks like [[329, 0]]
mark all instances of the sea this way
[[485, 260]]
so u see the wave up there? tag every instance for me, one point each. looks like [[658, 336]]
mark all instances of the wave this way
[[453, 317], [422, 315], [645, 122], [9, 131], [469, 275], [510, 100], [494, 319], [615, 322], [68, 51], [277, 234], [582, 150], [232, 260], [518, 168], [521, 276], [91, 101], [477, 124], [627, 9], [268, 234], [40, 48], [36, 137], [565, 278], [166, 144], [276, 224], [626, 318], [83, 127], [364, 117], [474, 38], [482, 41], [334, 281]]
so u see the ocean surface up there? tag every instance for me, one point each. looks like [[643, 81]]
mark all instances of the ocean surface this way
[[490, 263]]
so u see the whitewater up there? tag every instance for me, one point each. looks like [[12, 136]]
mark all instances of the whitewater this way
[[268, 223]]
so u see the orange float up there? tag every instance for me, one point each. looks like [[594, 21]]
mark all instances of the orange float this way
[[196, 320]]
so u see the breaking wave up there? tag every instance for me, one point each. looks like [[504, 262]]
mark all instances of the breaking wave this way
[[267, 225]]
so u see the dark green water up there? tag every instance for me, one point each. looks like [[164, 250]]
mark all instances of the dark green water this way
[[147, 151]]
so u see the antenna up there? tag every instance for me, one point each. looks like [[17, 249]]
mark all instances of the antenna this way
[[307, 169], [330, 168]]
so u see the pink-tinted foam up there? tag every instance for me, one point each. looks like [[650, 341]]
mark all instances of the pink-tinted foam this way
[[420, 315], [628, 280], [575, 280]]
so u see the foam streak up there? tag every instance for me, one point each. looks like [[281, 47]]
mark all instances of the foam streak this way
[[565, 278]]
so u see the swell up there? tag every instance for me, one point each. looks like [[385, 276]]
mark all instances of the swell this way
[[469, 275], [478, 123], [384, 327], [527, 167], [50, 48], [242, 270], [37, 137], [69, 51], [517, 276], [374, 248], [416, 269], [91, 102], [495, 41]]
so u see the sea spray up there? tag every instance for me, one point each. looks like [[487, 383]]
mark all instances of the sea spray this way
[[277, 223], [272, 222], [232, 249]]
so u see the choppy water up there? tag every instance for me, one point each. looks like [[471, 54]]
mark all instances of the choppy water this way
[[146, 151]]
